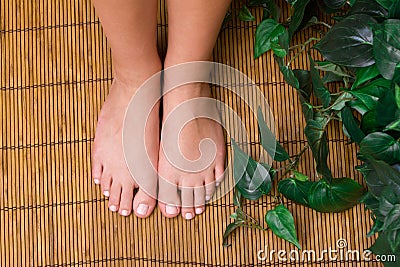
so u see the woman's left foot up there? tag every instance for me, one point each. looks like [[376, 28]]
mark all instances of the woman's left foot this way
[[195, 187]]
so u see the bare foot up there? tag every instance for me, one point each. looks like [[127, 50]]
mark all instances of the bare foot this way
[[109, 166], [187, 190]]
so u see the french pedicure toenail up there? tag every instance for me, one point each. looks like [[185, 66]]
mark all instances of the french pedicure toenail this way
[[208, 198], [106, 193], [96, 181], [142, 209], [217, 183], [113, 208], [188, 216], [171, 210], [124, 213], [199, 211]]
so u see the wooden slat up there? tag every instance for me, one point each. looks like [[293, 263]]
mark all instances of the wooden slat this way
[[56, 70]]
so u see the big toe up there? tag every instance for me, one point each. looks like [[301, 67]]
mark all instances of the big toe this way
[[143, 204]]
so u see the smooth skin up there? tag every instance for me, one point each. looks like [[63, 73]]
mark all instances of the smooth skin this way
[[131, 28]]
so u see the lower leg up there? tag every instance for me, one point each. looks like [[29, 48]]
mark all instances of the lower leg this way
[[130, 27], [193, 29]]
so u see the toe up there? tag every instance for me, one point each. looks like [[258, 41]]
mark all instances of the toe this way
[[209, 187], [115, 196], [97, 170], [199, 199], [143, 204], [187, 202], [105, 182], [125, 205], [219, 172], [168, 198]]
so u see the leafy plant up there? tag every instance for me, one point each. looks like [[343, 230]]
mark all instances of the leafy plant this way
[[356, 83]]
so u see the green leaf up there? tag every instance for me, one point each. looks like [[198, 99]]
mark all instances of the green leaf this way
[[341, 194], [394, 240], [341, 101], [386, 109], [316, 137], [378, 175], [386, 48], [252, 179], [351, 125], [245, 14], [350, 36], [393, 126], [229, 229], [299, 176], [397, 95], [358, 106], [295, 190], [386, 3], [320, 90], [382, 247], [369, 7], [334, 4], [387, 200], [297, 16], [281, 222], [267, 33], [305, 90], [268, 141], [370, 93], [381, 146], [394, 11], [365, 74], [287, 73], [392, 221]]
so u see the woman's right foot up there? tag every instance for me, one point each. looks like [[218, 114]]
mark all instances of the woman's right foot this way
[[108, 165]]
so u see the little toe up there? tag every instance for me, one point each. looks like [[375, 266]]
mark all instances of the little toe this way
[[143, 204], [97, 170], [115, 196], [219, 173], [125, 206], [168, 198], [209, 187], [187, 202]]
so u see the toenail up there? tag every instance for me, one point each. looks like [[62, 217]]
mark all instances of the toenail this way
[[96, 181], [208, 198], [188, 216], [106, 193], [142, 209], [170, 209], [124, 213], [199, 211], [217, 183], [113, 208]]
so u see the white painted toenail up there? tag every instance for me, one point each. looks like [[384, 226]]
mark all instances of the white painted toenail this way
[[170, 209], [208, 198], [199, 211], [188, 216], [124, 213], [217, 183], [96, 181], [106, 193], [113, 208], [142, 209]]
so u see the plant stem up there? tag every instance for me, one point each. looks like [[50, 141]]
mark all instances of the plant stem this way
[[302, 48]]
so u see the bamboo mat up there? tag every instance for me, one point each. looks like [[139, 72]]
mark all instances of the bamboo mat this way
[[55, 74]]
